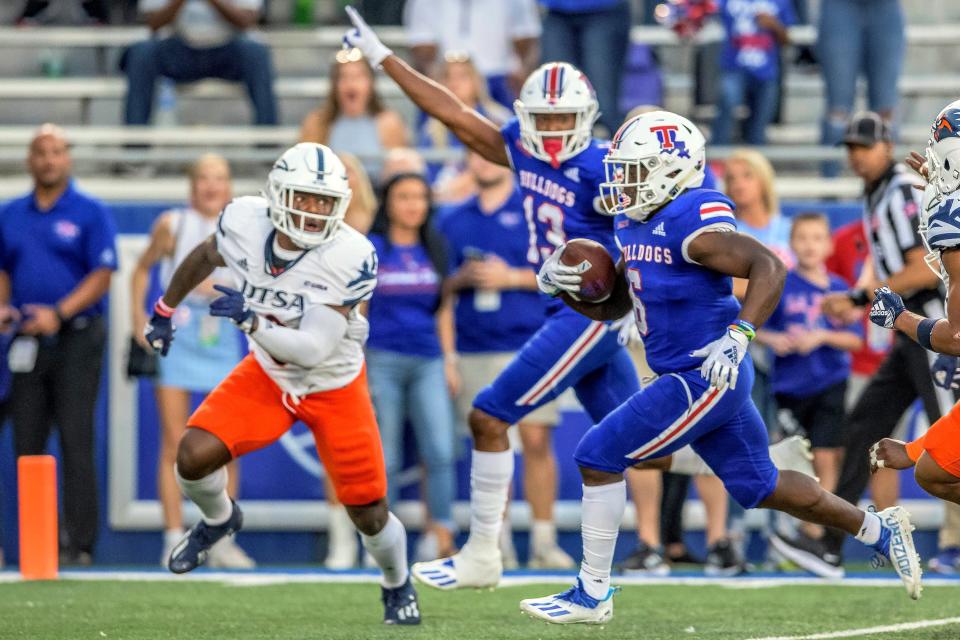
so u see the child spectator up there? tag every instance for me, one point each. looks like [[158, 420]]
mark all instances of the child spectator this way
[[750, 64], [811, 366]]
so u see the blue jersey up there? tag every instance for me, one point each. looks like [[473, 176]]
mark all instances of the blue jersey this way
[[679, 305], [798, 375], [563, 203], [499, 320]]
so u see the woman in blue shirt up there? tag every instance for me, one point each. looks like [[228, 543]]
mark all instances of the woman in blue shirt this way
[[411, 358]]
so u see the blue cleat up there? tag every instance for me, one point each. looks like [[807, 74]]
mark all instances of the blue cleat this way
[[191, 551], [896, 546], [400, 604]]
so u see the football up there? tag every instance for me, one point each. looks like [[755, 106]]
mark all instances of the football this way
[[600, 273]]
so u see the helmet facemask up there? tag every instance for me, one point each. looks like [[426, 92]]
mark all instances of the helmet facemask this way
[[306, 229], [634, 186], [555, 146]]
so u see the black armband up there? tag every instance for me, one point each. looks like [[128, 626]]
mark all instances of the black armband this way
[[925, 331]]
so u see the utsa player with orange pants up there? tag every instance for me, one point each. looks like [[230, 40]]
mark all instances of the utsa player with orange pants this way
[[936, 454], [303, 273]]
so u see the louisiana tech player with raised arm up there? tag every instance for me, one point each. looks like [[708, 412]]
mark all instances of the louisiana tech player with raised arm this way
[[936, 454], [303, 273], [680, 250], [559, 167]]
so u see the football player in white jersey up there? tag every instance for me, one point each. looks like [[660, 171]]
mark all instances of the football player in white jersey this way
[[936, 454], [302, 275]]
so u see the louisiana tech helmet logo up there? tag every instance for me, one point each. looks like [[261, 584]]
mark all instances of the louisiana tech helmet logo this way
[[947, 125], [667, 137]]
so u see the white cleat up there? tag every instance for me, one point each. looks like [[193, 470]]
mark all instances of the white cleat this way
[[573, 606], [896, 545], [227, 554], [460, 571], [550, 557], [793, 454]]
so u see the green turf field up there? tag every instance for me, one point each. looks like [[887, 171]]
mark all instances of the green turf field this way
[[199, 610]]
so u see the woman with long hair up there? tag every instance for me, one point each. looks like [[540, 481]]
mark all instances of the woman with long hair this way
[[354, 118], [411, 357], [207, 347]]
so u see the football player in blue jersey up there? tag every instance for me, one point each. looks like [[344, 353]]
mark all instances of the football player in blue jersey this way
[[559, 167], [936, 454], [679, 252]]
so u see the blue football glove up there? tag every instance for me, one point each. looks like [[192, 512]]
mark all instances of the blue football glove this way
[[159, 332], [944, 370], [234, 306], [885, 308]]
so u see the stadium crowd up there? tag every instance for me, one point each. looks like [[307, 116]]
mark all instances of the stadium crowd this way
[[455, 295]]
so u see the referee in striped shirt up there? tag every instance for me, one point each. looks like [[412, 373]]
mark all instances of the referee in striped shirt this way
[[890, 220]]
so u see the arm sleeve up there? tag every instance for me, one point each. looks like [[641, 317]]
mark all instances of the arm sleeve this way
[[524, 19], [321, 330], [101, 241]]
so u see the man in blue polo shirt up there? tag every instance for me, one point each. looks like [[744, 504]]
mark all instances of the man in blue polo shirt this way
[[57, 253], [498, 308]]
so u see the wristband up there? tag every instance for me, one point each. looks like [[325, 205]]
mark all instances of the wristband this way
[[745, 328], [924, 331], [163, 309], [859, 297]]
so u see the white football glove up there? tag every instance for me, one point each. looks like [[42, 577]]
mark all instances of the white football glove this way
[[555, 277], [362, 37], [629, 334], [722, 358], [358, 327]]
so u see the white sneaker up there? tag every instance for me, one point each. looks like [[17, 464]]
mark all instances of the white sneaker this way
[[227, 554], [571, 607], [342, 545], [550, 557], [461, 570], [896, 545], [793, 454]]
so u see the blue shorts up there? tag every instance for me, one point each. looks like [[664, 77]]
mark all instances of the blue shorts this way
[[678, 409], [569, 350]]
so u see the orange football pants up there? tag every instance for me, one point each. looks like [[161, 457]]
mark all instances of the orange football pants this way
[[941, 442], [248, 411]]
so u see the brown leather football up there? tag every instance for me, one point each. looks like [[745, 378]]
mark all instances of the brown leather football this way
[[600, 272]]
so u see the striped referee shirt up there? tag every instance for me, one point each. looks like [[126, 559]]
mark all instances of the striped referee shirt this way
[[891, 219]]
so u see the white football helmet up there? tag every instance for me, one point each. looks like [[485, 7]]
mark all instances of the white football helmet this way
[[653, 157], [307, 168], [556, 87], [943, 150]]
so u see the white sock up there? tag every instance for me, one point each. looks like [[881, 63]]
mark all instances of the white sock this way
[[209, 493], [543, 534], [603, 508], [389, 549], [490, 475], [686, 462], [870, 529]]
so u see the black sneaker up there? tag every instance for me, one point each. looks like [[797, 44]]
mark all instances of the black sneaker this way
[[645, 561], [723, 561], [809, 554], [400, 605]]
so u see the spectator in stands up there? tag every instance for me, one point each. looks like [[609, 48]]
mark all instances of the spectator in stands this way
[[497, 308], [342, 545], [854, 38], [402, 160], [451, 181], [40, 11], [500, 36], [208, 40], [57, 254], [750, 65], [353, 118], [812, 364], [593, 35], [207, 347], [411, 357]]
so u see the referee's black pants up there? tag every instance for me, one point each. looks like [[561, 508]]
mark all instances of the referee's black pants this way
[[903, 377], [62, 390]]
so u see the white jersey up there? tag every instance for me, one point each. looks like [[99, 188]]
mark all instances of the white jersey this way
[[341, 272]]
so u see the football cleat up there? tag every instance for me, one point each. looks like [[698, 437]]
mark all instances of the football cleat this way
[[793, 454], [193, 549], [227, 554], [460, 571], [572, 606], [400, 605], [896, 545]]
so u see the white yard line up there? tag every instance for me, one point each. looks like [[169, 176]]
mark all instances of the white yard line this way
[[869, 631]]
